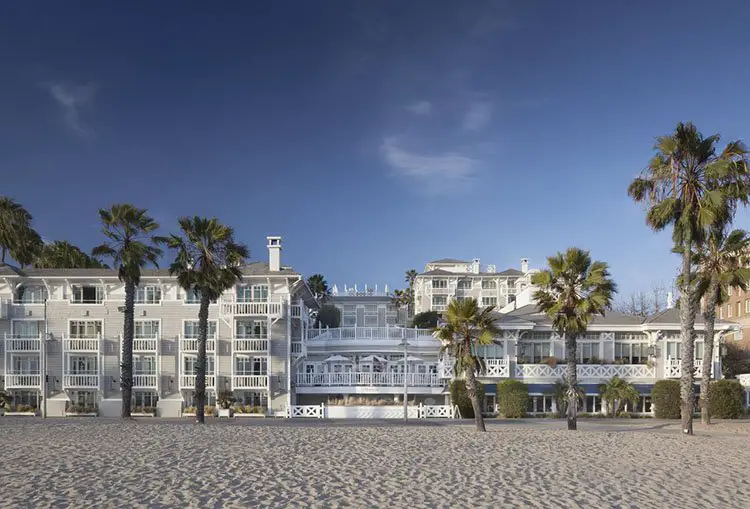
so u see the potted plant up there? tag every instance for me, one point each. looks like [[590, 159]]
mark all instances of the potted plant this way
[[550, 361], [225, 400], [189, 411]]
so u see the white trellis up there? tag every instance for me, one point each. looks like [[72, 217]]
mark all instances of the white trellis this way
[[311, 411]]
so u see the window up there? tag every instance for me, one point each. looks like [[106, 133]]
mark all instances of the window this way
[[440, 283], [721, 312], [494, 351], [148, 295], [25, 364], [146, 329], [31, 295], [674, 350], [260, 293], [631, 353], [698, 350], [191, 329], [371, 320], [87, 294], [144, 365], [439, 300], [489, 301], [83, 365], [85, 328], [533, 352], [489, 284], [747, 306], [588, 353], [729, 311], [190, 362], [27, 328], [349, 320], [145, 398], [464, 284], [245, 365], [739, 309], [193, 296], [256, 329]]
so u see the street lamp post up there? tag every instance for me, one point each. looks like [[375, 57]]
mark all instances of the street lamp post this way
[[405, 344]]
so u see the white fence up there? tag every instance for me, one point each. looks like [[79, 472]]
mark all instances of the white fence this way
[[373, 412]]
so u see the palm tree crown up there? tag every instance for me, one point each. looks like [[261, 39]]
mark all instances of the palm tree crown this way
[[15, 221], [61, 254], [319, 287]]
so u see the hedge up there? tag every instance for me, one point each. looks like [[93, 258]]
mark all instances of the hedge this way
[[727, 397], [461, 398], [665, 396], [512, 398]]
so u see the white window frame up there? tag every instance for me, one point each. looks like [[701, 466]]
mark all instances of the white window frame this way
[[39, 327], [489, 284], [440, 284], [98, 334], [76, 294], [252, 329], [443, 298], [138, 364], [30, 294], [465, 284], [191, 359], [143, 334], [489, 301], [83, 365], [194, 323], [142, 295]]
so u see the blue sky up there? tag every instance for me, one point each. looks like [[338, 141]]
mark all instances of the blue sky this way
[[373, 136]]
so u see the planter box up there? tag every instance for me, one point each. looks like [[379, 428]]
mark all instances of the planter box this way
[[371, 412], [225, 412], [237, 414], [71, 414], [141, 414], [20, 414], [188, 415]]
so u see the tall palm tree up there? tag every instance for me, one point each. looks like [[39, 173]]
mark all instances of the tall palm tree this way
[[131, 245], [560, 395], [617, 391], [571, 292], [61, 254], [466, 327], [722, 265], [688, 185], [208, 262], [14, 221], [409, 278], [319, 287], [28, 246]]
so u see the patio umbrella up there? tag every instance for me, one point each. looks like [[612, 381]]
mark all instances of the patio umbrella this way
[[337, 358], [371, 358]]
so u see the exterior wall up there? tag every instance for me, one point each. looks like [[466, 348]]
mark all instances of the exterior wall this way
[[737, 309]]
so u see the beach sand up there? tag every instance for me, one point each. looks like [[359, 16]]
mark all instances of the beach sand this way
[[152, 463]]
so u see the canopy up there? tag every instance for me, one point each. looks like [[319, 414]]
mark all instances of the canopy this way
[[337, 358], [371, 358]]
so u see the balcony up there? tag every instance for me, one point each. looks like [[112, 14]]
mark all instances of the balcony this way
[[367, 379], [23, 380], [249, 382], [145, 344], [596, 371], [496, 368], [80, 381], [190, 345], [673, 368], [251, 308], [22, 344], [145, 381], [81, 344], [250, 345], [391, 333], [188, 382]]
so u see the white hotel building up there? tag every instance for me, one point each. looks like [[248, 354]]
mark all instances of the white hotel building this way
[[64, 327]]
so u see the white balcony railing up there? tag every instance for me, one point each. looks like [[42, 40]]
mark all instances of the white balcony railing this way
[[80, 381], [22, 344], [22, 380], [191, 344], [597, 371], [267, 308], [145, 344], [188, 381], [673, 368], [250, 345], [148, 381], [496, 368], [369, 333], [249, 382], [81, 344], [367, 379]]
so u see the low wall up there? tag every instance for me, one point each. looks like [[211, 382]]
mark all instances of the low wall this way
[[371, 412]]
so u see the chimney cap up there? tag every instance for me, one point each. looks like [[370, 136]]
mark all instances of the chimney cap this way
[[274, 241]]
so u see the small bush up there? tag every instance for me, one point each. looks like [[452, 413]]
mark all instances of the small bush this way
[[512, 398], [727, 397], [425, 320], [461, 398], [665, 397]]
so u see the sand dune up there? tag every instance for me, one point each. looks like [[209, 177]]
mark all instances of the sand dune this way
[[100, 463]]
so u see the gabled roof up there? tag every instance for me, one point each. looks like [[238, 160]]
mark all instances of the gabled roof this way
[[251, 269], [532, 313], [448, 260], [508, 272], [672, 316], [440, 272], [443, 272]]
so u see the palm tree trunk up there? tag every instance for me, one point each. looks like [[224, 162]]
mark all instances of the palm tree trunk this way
[[126, 373], [471, 390], [200, 368], [571, 378], [2, 260], [687, 325], [709, 319]]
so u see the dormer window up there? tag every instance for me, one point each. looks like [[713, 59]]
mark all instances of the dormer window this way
[[87, 294], [31, 294], [150, 294]]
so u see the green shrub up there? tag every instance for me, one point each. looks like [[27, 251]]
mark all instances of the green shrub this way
[[512, 398], [461, 398], [727, 397], [665, 397], [425, 320], [329, 316]]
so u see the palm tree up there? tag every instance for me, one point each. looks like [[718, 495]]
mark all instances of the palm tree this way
[[131, 246], [560, 394], [208, 262], [61, 254], [28, 246], [14, 221], [571, 291], [722, 261], [409, 278], [319, 287], [466, 327], [689, 186], [617, 391]]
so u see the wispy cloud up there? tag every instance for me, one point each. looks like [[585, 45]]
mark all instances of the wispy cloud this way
[[434, 173], [420, 107], [478, 116], [72, 99]]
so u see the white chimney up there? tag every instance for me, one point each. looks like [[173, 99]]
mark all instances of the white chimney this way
[[475, 265], [524, 265], [274, 253]]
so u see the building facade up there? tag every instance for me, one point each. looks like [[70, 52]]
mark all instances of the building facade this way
[[737, 309]]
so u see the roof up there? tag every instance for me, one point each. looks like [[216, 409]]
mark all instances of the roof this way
[[507, 272], [440, 272], [448, 260], [251, 269], [672, 316], [443, 272], [531, 313]]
